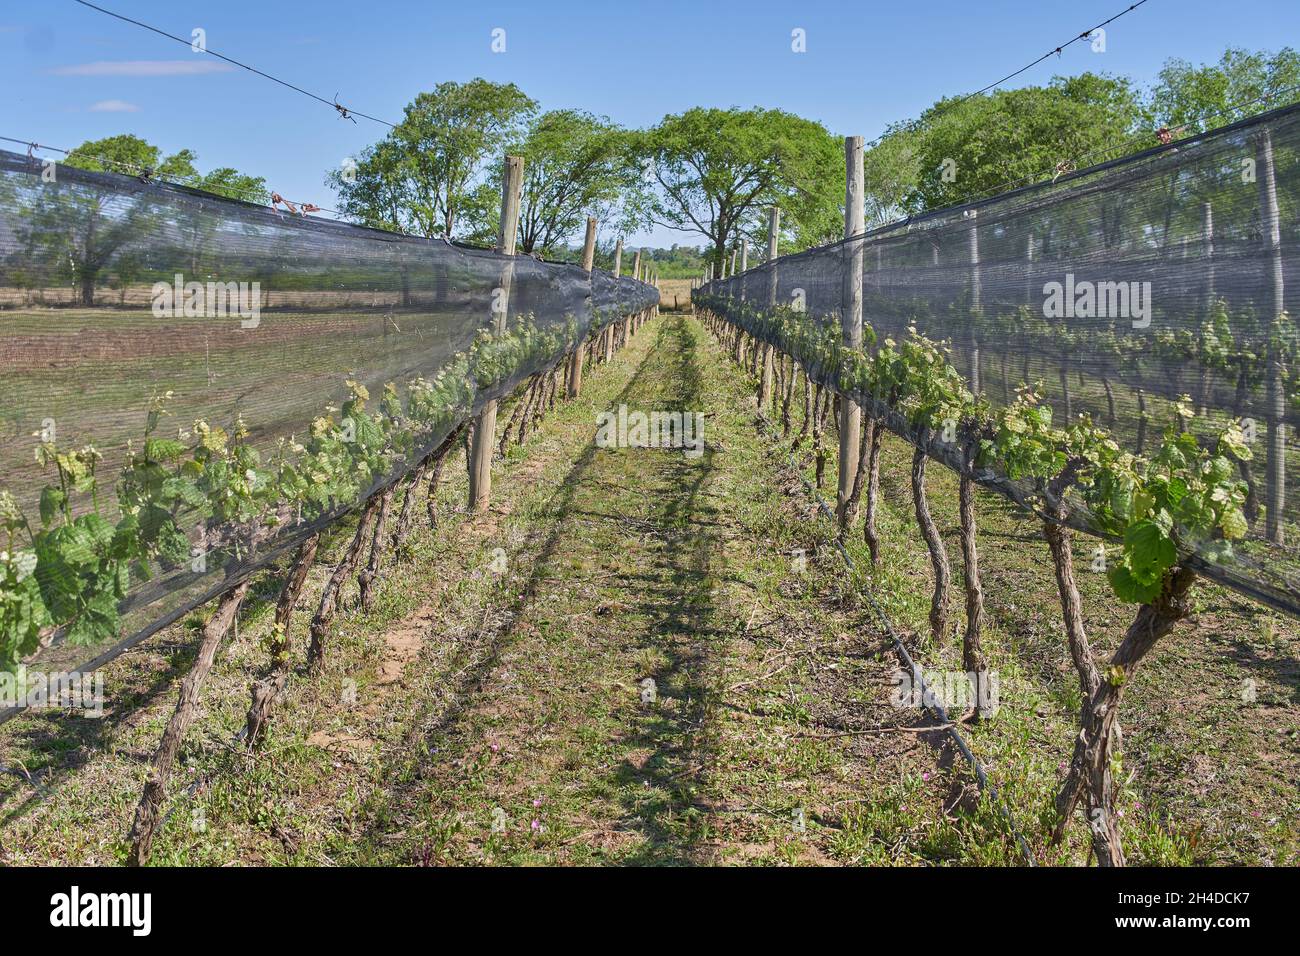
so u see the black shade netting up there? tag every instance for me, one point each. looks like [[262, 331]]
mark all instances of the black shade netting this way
[[191, 385], [1152, 293]]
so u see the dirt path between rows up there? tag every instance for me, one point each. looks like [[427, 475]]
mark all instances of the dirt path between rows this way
[[664, 684]]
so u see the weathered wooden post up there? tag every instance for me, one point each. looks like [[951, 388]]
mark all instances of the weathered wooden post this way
[[637, 273], [973, 247], [765, 378], [1207, 255], [851, 314], [1276, 395], [485, 426], [1030, 293], [588, 261]]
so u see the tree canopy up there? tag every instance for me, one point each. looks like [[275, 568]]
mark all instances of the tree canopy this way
[[717, 171], [576, 165], [128, 153], [426, 177]]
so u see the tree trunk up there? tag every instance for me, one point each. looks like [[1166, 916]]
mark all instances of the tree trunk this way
[[819, 418], [1142, 421], [530, 408], [1058, 538], [436, 460], [807, 409], [848, 514], [934, 543], [873, 491], [342, 571], [1092, 750], [366, 579], [514, 417], [790, 378], [265, 692], [405, 517], [148, 814], [972, 652]]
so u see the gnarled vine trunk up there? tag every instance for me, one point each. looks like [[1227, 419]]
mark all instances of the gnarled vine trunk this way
[[873, 491], [342, 571], [148, 813], [366, 579], [847, 514], [972, 652], [436, 461], [934, 543], [265, 692], [1093, 748], [405, 517]]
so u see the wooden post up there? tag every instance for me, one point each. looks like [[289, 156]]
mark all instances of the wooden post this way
[[973, 246], [1207, 249], [609, 332], [765, 379], [851, 315], [1029, 269], [636, 265], [1276, 394], [1207, 254], [588, 261], [485, 428], [618, 254]]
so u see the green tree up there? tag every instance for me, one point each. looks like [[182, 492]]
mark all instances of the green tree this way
[[228, 182], [128, 155], [1194, 98], [977, 147], [718, 170], [427, 176], [575, 165], [892, 171], [80, 236]]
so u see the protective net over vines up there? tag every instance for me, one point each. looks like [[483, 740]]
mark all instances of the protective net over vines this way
[[191, 385], [1154, 295]]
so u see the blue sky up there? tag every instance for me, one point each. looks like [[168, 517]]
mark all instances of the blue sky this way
[[866, 64]]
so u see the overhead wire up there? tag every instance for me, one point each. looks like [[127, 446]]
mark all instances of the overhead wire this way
[[344, 112]]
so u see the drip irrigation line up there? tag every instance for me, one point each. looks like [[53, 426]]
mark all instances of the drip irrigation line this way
[[343, 112], [935, 707]]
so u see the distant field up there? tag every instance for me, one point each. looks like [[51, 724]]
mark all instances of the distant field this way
[[678, 288]]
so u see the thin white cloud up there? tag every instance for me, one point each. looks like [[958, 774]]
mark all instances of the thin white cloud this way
[[195, 67], [114, 106]]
